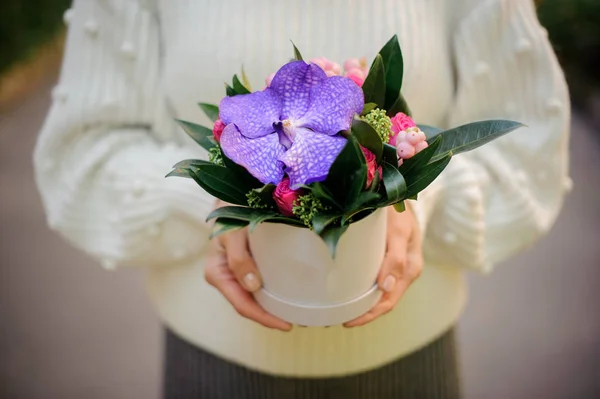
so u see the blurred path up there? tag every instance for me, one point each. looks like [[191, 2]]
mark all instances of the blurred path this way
[[71, 330]]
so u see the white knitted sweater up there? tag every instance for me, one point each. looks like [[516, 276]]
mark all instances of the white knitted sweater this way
[[132, 66]]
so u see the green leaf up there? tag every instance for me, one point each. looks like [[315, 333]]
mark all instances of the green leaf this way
[[322, 192], [339, 181], [191, 162], [419, 181], [393, 63], [211, 110], [389, 154], [200, 134], [239, 87], [399, 206], [223, 225], [297, 54], [232, 212], [399, 106], [226, 182], [394, 183], [421, 159], [374, 85], [241, 173], [376, 180], [473, 135], [430, 131], [368, 108], [367, 137], [229, 91], [257, 218], [321, 221], [331, 236], [357, 186], [180, 172], [214, 189], [245, 80]]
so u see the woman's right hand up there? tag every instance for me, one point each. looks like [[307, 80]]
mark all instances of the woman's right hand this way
[[230, 268]]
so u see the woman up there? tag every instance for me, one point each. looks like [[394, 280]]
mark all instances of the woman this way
[[132, 66]]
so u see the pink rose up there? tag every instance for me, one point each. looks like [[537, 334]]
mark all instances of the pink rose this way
[[400, 122], [285, 197], [218, 129], [371, 166]]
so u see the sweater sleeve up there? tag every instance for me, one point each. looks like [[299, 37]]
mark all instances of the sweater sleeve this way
[[497, 200], [108, 141]]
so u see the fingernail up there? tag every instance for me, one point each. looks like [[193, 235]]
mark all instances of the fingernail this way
[[251, 282], [389, 283]]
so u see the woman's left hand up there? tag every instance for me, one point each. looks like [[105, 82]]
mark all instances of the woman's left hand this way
[[401, 266]]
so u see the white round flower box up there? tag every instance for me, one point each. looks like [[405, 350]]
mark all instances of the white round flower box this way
[[303, 285]]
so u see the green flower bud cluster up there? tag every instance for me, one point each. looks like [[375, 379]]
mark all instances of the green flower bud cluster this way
[[216, 156], [254, 200], [306, 207], [380, 122]]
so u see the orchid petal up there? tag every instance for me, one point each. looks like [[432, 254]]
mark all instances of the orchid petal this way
[[253, 114], [333, 104], [260, 156], [293, 83], [311, 156]]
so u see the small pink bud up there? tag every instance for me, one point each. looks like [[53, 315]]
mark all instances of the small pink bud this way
[[218, 128], [421, 146], [405, 150], [413, 137], [285, 197], [330, 67], [269, 79], [400, 122], [398, 138], [357, 76]]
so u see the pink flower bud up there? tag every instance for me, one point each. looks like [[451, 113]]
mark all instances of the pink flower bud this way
[[285, 197], [358, 76], [356, 63], [371, 165], [218, 129], [330, 67], [269, 79], [400, 122], [421, 146], [413, 137], [405, 150]]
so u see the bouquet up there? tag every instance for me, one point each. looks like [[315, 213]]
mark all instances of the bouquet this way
[[314, 156]]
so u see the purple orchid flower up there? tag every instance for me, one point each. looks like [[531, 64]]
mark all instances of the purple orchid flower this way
[[292, 126]]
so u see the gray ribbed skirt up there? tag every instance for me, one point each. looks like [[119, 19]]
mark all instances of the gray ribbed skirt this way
[[431, 372]]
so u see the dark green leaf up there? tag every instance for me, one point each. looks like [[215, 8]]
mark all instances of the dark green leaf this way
[[214, 189], [321, 221], [259, 217], [368, 108], [322, 192], [266, 194], [470, 136], [394, 70], [393, 181], [430, 131], [201, 135], [339, 181], [225, 181], [297, 54], [399, 106], [191, 162], [367, 137], [233, 212], [426, 175], [374, 85], [331, 236], [223, 225], [211, 110], [239, 87], [241, 173], [421, 159], [389, 154], [229, 91], [376, 180]]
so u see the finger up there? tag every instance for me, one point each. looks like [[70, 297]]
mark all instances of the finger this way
[[240, 261], [386, 304], [221, 277]]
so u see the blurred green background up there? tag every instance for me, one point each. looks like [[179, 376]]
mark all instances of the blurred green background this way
[[573, 26]]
